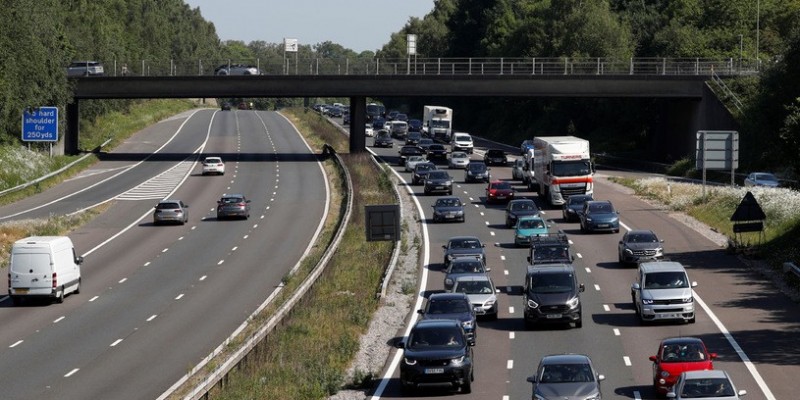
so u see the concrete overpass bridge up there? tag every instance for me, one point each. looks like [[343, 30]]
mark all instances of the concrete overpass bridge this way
[[696, 107]]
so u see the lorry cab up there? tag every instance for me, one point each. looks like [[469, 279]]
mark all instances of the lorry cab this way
[[45, 267]]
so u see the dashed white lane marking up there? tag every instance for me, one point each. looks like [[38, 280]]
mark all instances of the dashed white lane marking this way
[[59, 319], [202, 278], [597, 287], [165, 250], [491, 233], [503, 258], [17, 343], [627, 361], [93, 298], [147, 263], [123, 280], [116, 342], [245, 236], [152, 317], [606, 308], [510, 310], [505, 397], [262, 216], [220, 262], [487, 223], [234, 248], [511, 335], [570, 242], [180, 296], [579, 255], [180, 238], [510, 364], [482, 214], [505, 272], [70, 373], [616, 332], [255, 226], [588, 270]]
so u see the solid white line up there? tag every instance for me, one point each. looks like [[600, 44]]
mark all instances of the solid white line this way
[[70, 373], [115, 343], [739, 351], [59, 319], [180, 296], [152, 317], [627, 228], [627, 361], [510, 364], [18, 342]]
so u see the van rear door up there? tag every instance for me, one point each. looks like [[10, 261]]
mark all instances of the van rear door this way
[[31, 271]]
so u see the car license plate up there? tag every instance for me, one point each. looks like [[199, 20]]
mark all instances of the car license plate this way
[[434, 370], [602, 225], [669, 316], [21, 291], [501, 197], [450, 216], [440, 187], [553, 316]]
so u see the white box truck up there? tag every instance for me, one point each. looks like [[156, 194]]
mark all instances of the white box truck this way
[[562, 167], [43, 266], [437, 122]]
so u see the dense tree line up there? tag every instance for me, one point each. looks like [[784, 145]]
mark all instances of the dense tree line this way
[[39, 38], [621, 29]]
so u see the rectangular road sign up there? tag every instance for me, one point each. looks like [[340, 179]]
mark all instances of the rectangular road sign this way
[[717, 150], [40, 124]]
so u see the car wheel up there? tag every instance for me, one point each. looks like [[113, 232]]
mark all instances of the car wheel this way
[[463, 219], [78, 288], [60, 296], [693, 319], [583, 230], [579, 322], [450, 193], [619, 257], [467, 386]]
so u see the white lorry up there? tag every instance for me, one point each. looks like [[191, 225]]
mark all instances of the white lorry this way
[[437, 122], [528, 170], [562, 167], [43, 266]]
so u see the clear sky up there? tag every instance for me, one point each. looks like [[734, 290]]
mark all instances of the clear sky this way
[[358, 25]]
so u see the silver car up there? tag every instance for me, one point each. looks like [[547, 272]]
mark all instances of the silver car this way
[[481, 292], [237, 69], [518, 169], [566, 376], [171, 211], [708, 384], [458, 159], [761, 179], [233, 205]]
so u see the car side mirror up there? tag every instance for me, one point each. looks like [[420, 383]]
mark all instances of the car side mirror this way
[[483, 245], [400, 344], [532, 379], [529, 259], [601, 377], [420, 311], [636, 286], [653, 359], [712, 355], [79, 260], [581, 288], [694, 284], [470, 342], [444, 247]]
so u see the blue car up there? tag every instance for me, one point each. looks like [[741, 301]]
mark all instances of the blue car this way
[[599, 215], [528, 226]]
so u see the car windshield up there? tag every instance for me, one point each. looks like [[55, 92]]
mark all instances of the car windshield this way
[[466, 267], [437, 147], [600, 208], [438, 175], [682, 352], [501, 185], [766, 177], [438, 123], [666, 280], [448, 203], [709, 387], [416, 158], [523, 206], [459, 155], [571, 168], [465, 244], [578, 200], [564, 373], [448, 307], [474, 287], [642, 238], [531, 224], [425, 141], [477, 167], [167, 206], [425, 167], [231, 200], [463, 138], [551, 253], [495, 153], [212, 161], [435, 337], [552, 283]]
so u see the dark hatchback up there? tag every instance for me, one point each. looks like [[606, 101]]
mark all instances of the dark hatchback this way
[[476, 172], [599, 215], [448, 209], [383, 139], [233, 205], [409, 150], [437, 352], [454, 306], [438, 181], [573, 206], [421, 172], [519, 208], [495, 157], [437, 151]]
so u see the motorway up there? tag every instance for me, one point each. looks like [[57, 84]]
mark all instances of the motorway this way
[[751, 326], [155, 301]]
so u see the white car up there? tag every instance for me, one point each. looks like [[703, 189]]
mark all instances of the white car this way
[[461, 142], [213, 165], [458, 159], [412, 161], [761, 179], [369, 131]]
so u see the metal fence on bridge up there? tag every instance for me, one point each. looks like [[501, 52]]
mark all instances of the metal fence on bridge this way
[[443, 66]]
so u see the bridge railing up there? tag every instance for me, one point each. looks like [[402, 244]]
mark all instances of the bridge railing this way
[[444, 66]]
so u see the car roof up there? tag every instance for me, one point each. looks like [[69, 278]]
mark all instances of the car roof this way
[[430, 323], [169, 201], [521, 201], [477, 277], [706, 374], [448, 198], [565, 359], [598, 202], [550, 268], [661, 266], [527, 217], [232, 195], [462, 238], [448, 296]]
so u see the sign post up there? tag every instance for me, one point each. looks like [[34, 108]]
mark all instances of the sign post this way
[[289, 46], [411, 41], [40, 124], [718, 150]]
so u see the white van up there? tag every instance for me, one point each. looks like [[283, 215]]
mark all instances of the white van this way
[[461, 142], [43, 266]]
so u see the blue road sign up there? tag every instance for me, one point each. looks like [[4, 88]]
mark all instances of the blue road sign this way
[[40, 125]]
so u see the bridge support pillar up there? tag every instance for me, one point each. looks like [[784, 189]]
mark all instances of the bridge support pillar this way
[[358, 120], [73, 124]]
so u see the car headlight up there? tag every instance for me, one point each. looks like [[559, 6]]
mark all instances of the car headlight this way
[[596, 396], [467, 324], [532, 304], [490, 302], [664, 374], [647, 301], [448, 183], [628, 252], [448, 281], [409, 361], [458, 361], [687, 299], [659, 252], [573, 302], [588, 219], [521, 236], [450, 256]]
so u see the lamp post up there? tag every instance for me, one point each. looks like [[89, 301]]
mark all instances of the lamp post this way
[[741, 50]]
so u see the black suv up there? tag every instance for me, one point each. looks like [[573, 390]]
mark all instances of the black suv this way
[[552, 295], [549, 249], [454, 306], [437, 351], [495, 157]]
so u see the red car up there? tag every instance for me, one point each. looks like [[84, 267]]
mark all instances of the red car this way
[[499, 191], [676, 355]]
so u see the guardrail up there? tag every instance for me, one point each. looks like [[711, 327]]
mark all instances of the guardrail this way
[[790, 267], [533, 66], [220, 374]]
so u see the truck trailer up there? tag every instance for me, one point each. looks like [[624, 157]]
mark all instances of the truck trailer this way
[[437, 122], [562, 167]]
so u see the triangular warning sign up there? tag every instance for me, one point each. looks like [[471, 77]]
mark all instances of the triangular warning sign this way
[[748, 210]]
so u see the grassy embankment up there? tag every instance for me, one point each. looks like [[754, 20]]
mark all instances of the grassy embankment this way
[[22, 165], [308, 355], [781, 237]]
